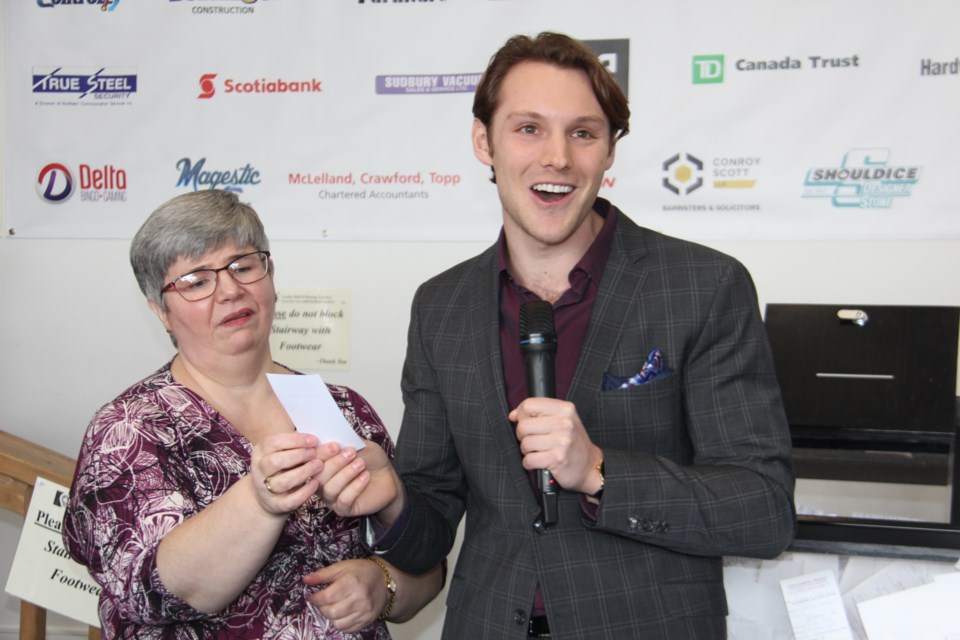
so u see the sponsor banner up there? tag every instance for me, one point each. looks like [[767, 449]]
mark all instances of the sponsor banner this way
[[351, 120]]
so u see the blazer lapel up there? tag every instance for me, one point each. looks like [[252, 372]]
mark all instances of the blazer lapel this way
[[483, 310], [616, 301]]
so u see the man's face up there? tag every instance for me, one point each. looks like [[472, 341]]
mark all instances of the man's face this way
[[549, 144]]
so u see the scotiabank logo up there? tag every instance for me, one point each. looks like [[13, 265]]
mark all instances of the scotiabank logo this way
[[56, 184], [209, 84]]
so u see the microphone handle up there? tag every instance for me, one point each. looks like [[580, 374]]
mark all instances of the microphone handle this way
[[541, 383]]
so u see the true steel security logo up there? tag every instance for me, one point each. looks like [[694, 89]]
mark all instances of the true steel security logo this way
[[865, 179], [708, 69], [79, 83]]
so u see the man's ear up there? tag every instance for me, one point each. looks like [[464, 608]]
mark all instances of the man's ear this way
[[481, 143], [161, 313]]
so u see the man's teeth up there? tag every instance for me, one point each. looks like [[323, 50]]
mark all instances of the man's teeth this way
[[553, 188]]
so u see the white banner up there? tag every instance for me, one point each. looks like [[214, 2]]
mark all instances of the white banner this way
[[350, 119]]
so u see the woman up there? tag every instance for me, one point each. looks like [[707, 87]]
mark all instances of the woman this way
[[195, 504]]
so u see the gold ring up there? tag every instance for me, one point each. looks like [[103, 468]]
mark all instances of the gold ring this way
[[266, 483]]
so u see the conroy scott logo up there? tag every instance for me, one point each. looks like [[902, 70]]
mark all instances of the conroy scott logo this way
[[94, 83], [56, 183], [209, 86], [865, 179]]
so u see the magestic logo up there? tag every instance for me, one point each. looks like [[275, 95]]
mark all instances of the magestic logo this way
[[102, 83], [865, 179], [209, 86], [195, 175], [105, 5]]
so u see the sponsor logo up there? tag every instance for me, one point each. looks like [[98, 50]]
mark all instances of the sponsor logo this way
[[220, 7], [707, 69], [931, 67], [615, 56], [429, 83], [105, 5], [685, 173], [209, 86], [105, 85], [682, 174], [865, 179], [56, 183], [399, 1], [196, 176]]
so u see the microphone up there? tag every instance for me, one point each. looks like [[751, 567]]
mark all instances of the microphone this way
[[538, 344]]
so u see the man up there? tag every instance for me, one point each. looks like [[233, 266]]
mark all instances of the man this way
[[658, 479]]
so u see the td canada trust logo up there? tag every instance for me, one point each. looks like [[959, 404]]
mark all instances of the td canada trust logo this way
[[209, 86], [56, 183]]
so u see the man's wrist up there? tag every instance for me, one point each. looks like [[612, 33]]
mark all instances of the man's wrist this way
[[595, 497]]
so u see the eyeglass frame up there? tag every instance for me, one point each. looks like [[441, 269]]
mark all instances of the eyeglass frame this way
[[172, 286]]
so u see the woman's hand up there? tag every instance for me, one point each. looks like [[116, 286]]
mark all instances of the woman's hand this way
[[285, 468], [354, 594], [357, 483]]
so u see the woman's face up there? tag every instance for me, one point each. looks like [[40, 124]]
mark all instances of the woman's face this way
[[236, 319]]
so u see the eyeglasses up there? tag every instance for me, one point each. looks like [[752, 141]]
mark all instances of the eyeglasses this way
[[200, 284]]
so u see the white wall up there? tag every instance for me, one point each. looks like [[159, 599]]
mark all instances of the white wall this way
[[74, 330]]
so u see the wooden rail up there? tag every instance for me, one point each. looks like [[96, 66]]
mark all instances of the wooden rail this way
[[21, 462]]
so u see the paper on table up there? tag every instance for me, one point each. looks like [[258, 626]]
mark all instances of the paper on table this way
[[814, 606], [312, 409], [927, 611]]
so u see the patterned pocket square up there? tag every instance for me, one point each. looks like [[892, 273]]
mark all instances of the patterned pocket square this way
[[653, 367]]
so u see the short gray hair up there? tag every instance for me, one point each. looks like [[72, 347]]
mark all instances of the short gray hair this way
[[189, 226]]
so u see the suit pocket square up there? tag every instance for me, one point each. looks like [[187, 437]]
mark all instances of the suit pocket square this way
[[653, 367]]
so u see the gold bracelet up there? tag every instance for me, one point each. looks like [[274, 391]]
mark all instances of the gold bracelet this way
[[390, 583]]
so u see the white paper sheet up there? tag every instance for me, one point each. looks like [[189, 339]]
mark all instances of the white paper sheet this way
[[815, 608], [928, 612], [313, 410]]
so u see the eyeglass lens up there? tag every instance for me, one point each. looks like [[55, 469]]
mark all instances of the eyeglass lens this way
[[203, 282]]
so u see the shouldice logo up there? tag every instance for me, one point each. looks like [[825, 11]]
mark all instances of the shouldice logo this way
[[208, 86], [865, 179]]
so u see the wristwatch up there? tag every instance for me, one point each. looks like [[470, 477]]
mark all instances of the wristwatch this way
[[391, 585]]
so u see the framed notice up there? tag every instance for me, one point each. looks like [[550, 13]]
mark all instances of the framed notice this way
[[42, 572]]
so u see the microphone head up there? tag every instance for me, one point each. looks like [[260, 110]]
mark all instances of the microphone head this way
[[536, 322]]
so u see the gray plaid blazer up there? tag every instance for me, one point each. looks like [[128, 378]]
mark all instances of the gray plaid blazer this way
[[697, 462]]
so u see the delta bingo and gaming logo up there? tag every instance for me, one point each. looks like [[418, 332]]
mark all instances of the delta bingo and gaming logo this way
[[57, 183]]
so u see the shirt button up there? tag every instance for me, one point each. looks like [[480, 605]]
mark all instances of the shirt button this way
[[519, 616]]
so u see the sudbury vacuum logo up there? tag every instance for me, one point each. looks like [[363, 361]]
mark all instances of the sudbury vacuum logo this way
[[209, 84]]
